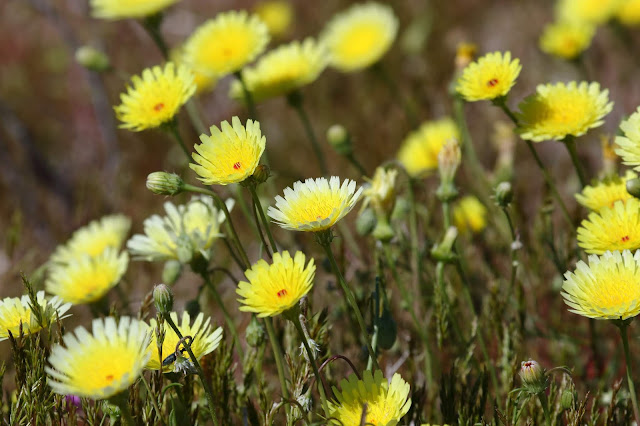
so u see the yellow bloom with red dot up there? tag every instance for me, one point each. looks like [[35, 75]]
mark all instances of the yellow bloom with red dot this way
[[629, 144], [385, 403], [559, 110], [277, 287], [607, 287], [155, 97], [360, 36], [226, 43], [100, 364], [490, 77], [614, 228], [121, 9], [315, 204], [16, 312], [567, 40], [470, 215], [606, 192], [231, 154]]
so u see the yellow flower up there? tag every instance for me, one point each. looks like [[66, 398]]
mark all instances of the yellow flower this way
[[315, 204], [469, 214], [629, 12], [93, 239], [606, 192], [490, 77], [566, 40], [590, 11], [283, 70], [15, 311], [231, 154], [360, 36], [204, 80], [120, 9], [102, 364], [87, 278], [186, 231], [381, 190], [629, 144], [556, 111], [205, 340], [155, 97], [612, 228], [276, 288], [226, 43], [608, 287], [276, 14], [386, 403], [419, 151]]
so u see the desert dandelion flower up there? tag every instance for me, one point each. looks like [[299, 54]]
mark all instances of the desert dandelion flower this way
[[282, 70], [559, 110], [611, 228], [93, 239], [155, 97], [121, 9], [204, 80], [277, 287], [566, 40], [360, 36], [16, 311], [469, 215], [315, 204], [386, 403], [276, 14], [102, 364], [590, 11], [629, 12], [490, 77], [231, 154], [87, 278], [205, 339], [419, 151], [226, 43], [629, 144], [606, 192]]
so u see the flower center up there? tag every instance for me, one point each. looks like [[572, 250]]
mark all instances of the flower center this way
[[158, 107], [492, 82], [625, 238], [109, 378], [282, 293], [237, 165]]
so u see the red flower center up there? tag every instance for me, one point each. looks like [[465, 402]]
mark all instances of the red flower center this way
[[282, 293], [492, 82], [625, 238], [158, 107], [237, 165]]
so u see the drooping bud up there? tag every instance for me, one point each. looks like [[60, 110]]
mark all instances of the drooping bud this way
[[504, 194], [533, 377], [171, 272], [163, 183], [92, 59], [340, 139], [163, 299], [443, 252], [633, 187]]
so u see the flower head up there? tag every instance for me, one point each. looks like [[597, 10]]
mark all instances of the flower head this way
[[490, 77], [556, 111], [469, 214], [121, 9], [101, 364], [606, 192], [607, 287], [629, 144], [380, 191], [315, 204], [205, 339], [386, 403], [186, 231], [566, 40], [629, 12], [276, 14], [87, 278], [590, 11], [277, 287], [16, 311], [612, 228], [284, 69], [93, 239], [155, 97], [231, 154], [419, 151], [226, 43], [360, 36], [533, 377]]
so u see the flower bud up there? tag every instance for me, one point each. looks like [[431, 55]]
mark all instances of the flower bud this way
[[401, 209], [171, 272], [566, 399], [192, 307], [383, 230], [255, 333], [163, 299], [443, 252], [340, 139], [262, 173], [504, 194], [92, 59], [380, 191], [465, 53], [449, 160], [366, 222], [633, 187], [533, 377], [163, 183]]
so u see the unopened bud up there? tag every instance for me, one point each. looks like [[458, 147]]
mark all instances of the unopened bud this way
[[383, 230], [443, 252], [504, 194], [255, 333], [163, 299], [366, 222], [262, 173], [163, 183], [633, 187], [340, 139], [171, 272], [566, 400], [449, 160], [401, 209], [92, 59], [533, 377], [465, 53]]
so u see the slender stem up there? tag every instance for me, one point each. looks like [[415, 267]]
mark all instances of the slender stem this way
[[416, 266], [514, 264], [248, 97], [467, 144], [632, 389], [122, 401], [354, 161], [351, 300], [295, 100], [542, 396], [154, 402], [194, 116], [260, 234], [196, 364], [570, 143], [277, 354], [265, 222], [152, 25], [296, 322], [172, 126]]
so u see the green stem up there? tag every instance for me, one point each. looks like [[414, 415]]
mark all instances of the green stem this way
[[622, 325], [152, 25], [542, 396], [248, 98], [265, 222], [154, 402], [514, 265], [172, 126], [416, 266], [295, 100], [350, 299], [121, 400], [570, 143], [467, 145], [198, 367], [277, 354], [194, 117], [354, 161]]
